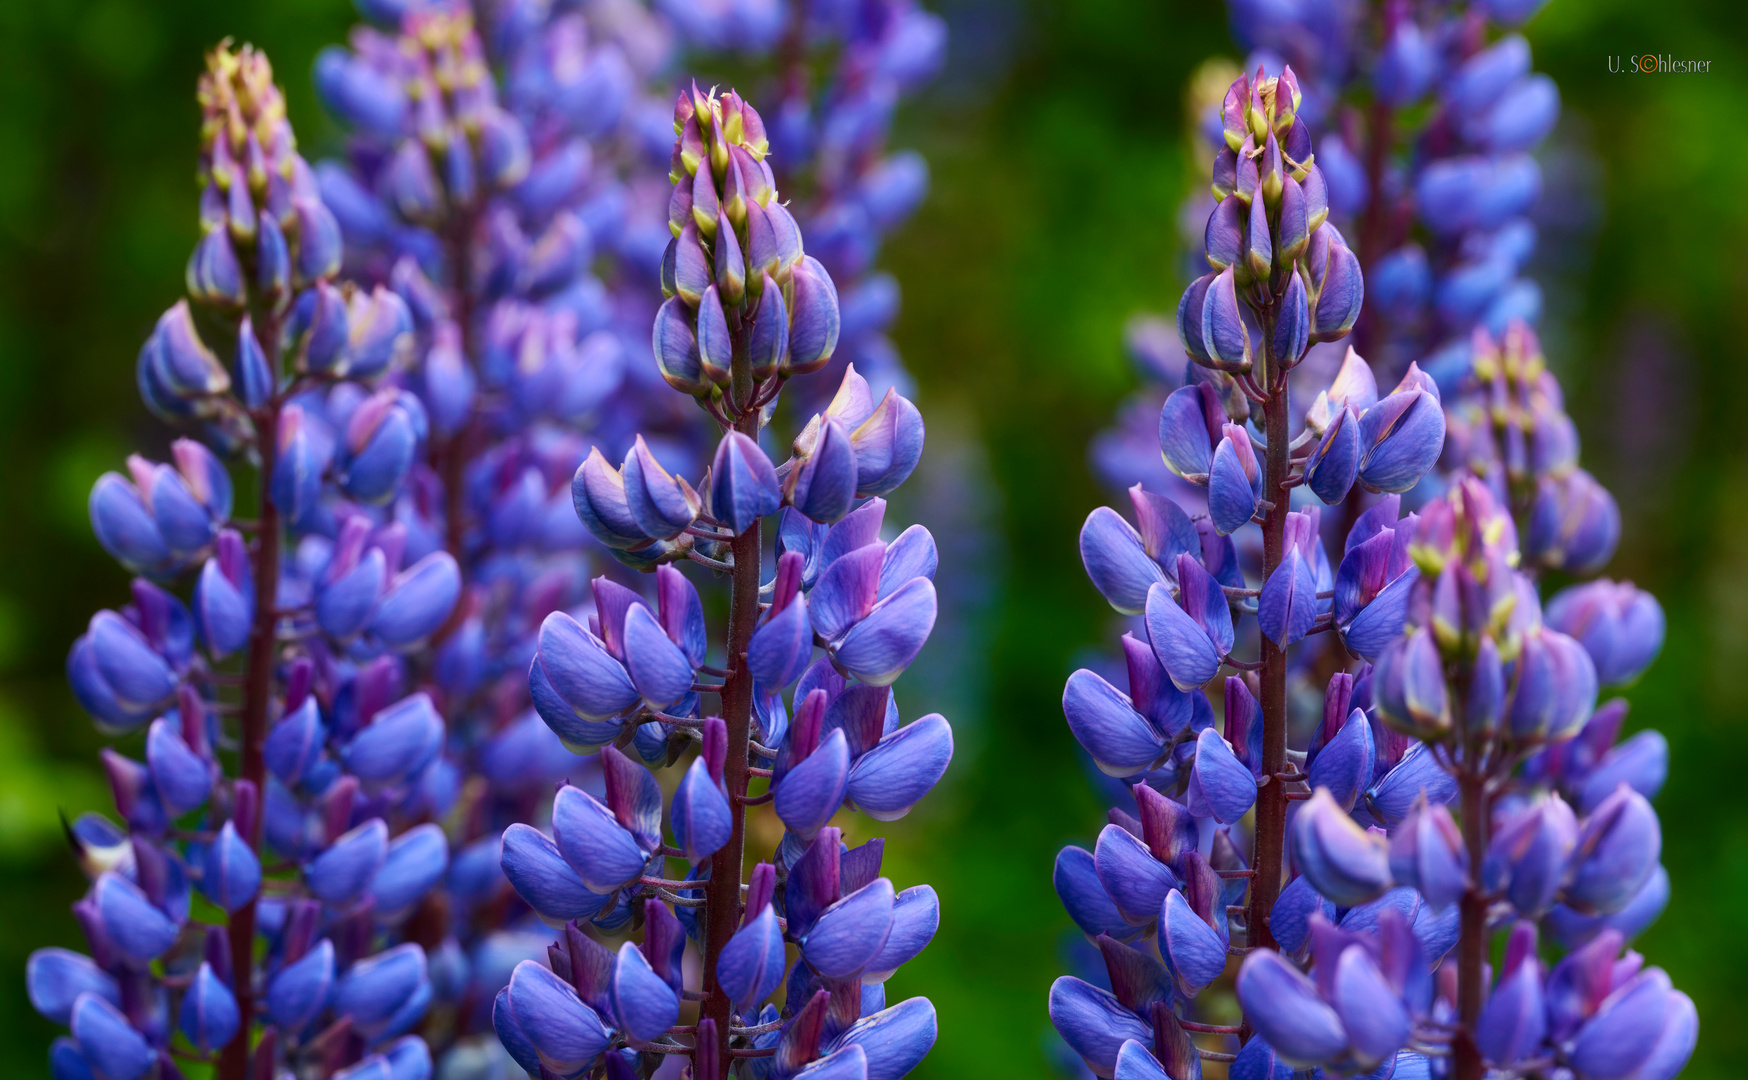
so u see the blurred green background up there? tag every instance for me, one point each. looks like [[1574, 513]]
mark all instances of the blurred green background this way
[[1058, 169]]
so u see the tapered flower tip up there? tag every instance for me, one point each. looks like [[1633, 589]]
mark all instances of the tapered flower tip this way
[[1194, 950], [811, 792], [137, 928], [782, 646], [231, 875], [181, 776], [1409, 687], [299, 992], [675, 341], [541, 876], [416, 861], [386, 993], [1529, 855], [1223, 235], [1427, 852], [1514, 1021], [643, 1002], [1094, 1023], [418, 601], [1418, 775], [224, 608], [208, 1015], [1335, 464], [1117, 561], [700, 815], [137, 677], [54, 978], [894, 1039], [1290, 918], [1182, 647], [1617, 852], [751, 965], [339, 875], [1092, 909], [661, 503], [564, 1034], [1373, 1014], [1230, 333], [850, 933], [125, 526], [398, 742], [295, 743], [659, 669], [580, 670], [1231, 490], [1287, 608], [893, 776], [1135, 881], [599, 495], [1554, 690], [1283, 1006], [1341, 291], [1343, 861], [109, 1044], [1189, 317], [1344, 765], [743, 483], [879, 648], [813, 317], [824, 487], [601, 851], [1220, 785], [888, 446], [1401, 438], [1621, 627], [1574, 524]]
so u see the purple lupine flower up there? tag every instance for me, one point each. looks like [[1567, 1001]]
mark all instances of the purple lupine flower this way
[[317, 607], [1441, 604]]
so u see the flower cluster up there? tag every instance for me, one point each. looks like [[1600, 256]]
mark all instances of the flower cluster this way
[[1160, 887], [276, 700], [747, 310], [1462, 782], [523, 225], [359, 657]]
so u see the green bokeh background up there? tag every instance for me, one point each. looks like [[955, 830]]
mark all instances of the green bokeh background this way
[[1051, 221]]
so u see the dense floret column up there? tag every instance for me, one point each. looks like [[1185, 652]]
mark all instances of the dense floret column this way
[[1471, 693], [747, 310], [309, 748]]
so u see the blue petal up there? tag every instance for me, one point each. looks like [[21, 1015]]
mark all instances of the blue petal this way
[[541, 876], [895, 1039], [1115, 560], [54, 978], [645, 1005], [1287, 608], [1220, 786], [850, 933], [604, 855], [416, 861], [1094, 1023], [1182, 647], [811, 792], [888, 780], [880, 647], [1104, 721]]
